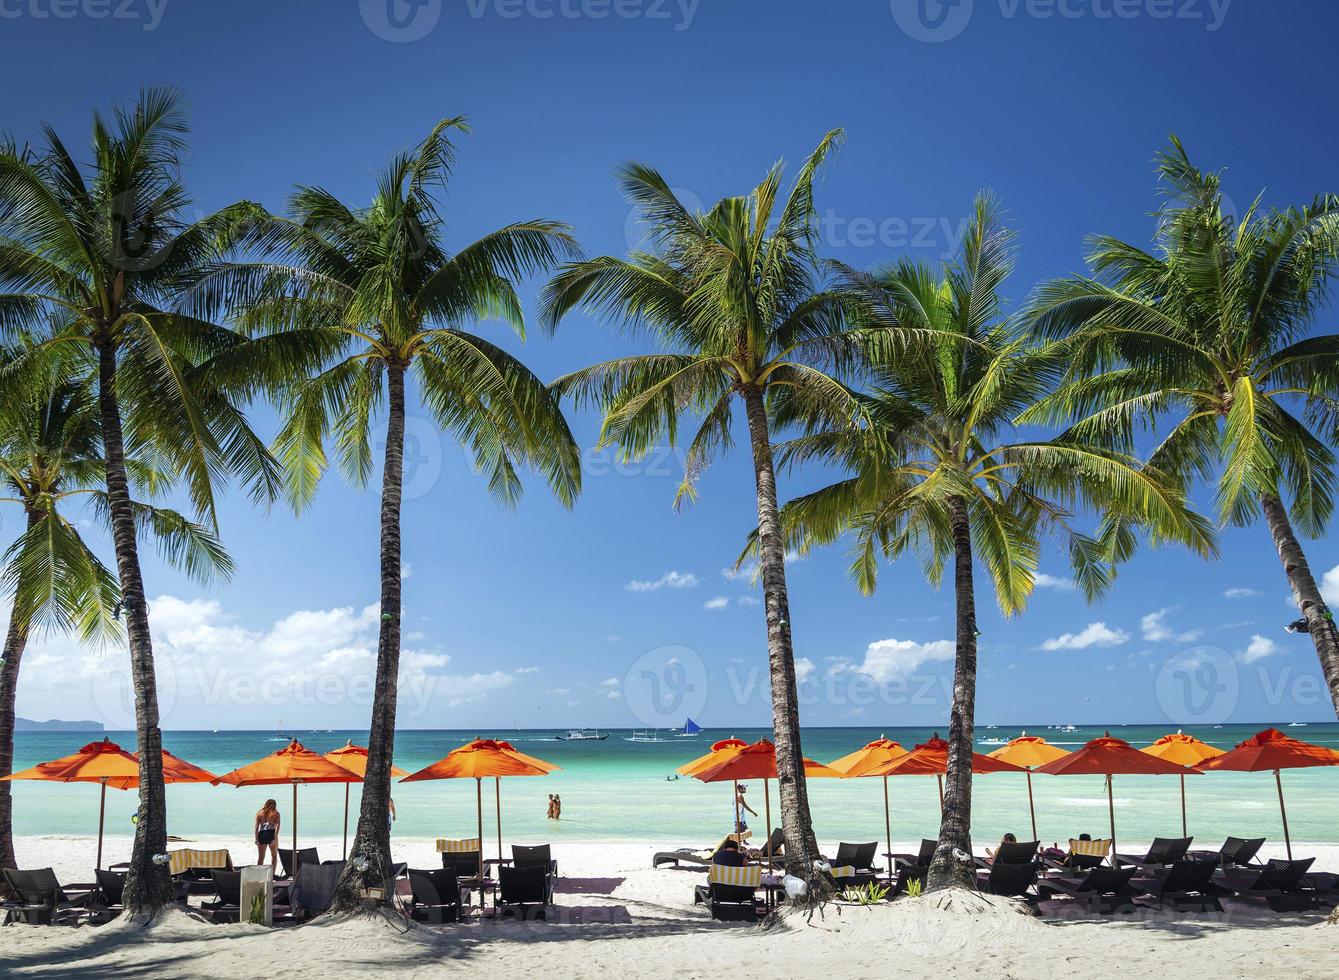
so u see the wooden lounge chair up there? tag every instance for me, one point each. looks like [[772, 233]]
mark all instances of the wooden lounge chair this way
[[434, 895], [1163, 852], [1188, 884], [1104, 890], [524, 892], [1013, 880], [1235, 852], [541, 857], [305, 855], [919, 860], [1285, 886], [731, 893], [41, 900]]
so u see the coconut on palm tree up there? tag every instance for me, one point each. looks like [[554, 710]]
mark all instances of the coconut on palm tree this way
[[97, 256], [51, 461], [937, 468], [373, 299], [1209, 342], [737, 300]]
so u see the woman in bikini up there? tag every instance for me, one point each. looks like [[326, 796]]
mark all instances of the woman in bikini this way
[[267, 833]]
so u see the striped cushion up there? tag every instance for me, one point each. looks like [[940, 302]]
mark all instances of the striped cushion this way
[[726, 874], [847, 871], [188, 857], [1090, 848], [447, 846]]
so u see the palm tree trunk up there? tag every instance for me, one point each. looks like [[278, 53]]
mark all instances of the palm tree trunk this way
[[955, 827], [148, 886], [372, 840], [16, 639], [801, 848], [1318, 618]]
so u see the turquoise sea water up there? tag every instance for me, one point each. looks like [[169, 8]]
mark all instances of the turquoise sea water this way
[[619, 789]]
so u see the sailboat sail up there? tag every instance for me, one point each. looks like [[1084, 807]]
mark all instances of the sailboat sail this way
[[691, 727]]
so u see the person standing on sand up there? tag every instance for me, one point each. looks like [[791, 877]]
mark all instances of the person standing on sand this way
[[267, 833], [741, 804]]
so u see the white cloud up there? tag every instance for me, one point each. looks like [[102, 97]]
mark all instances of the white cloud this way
[[720, 602], [670, 580], [1259, 648], [609, 682], [886, 660], [746, 600], [526, 670], [1092, 635], [1157, 631], [1044, 581], [406, 570], [1240, 592], [804, 669], [1329, 587]]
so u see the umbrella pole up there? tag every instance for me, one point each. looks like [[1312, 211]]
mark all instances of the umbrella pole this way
[[295, 828], [497, 791], [1031, 807], [1184, 832], [735, 828], [1111, 812], [887, 826], [940, 779], [346, 821], [479, 791], [102, 813], [767, 805], [1283, 811]]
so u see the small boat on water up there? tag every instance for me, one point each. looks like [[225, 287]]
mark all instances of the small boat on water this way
[[582, 735], [690, 729], [644, 737]]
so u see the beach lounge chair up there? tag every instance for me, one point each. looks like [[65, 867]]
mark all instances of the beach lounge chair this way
[[857, 856], [1235, 852], [306, 855], [434, 895], [111, 887], [540, 856], [1188, 884], [731, 893], [227, 903], [906, 874], [191, 868], [1285, 886], [1011, 852], [1012, 880], [1164, 851], [918, 860], [771, 848], [39, 898], [462, 855], [696, 856], [1104, 890], [524, 892], [1084, 853], [314, 889]]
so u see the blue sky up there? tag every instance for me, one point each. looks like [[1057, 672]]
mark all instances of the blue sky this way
[[531, 618]]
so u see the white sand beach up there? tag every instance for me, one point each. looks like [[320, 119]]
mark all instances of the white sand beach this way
[[618, 917]]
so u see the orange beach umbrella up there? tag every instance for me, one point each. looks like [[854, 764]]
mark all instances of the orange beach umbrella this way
[[1110, 757], [863, 762], [354, 758], [1271, 749], [758, 761], [1028, 751], [1184, 750], [479, 760], [506, 746], [293, 764], [720, 751], [931, 759], [107, 764]]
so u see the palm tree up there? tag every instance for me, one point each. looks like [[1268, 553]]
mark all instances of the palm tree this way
[[369, 296], [103, 253], [1207, 341], [936, 467], [50, 456], [736, 298]]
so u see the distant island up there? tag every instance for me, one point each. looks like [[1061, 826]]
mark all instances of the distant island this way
[[56, 725]]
